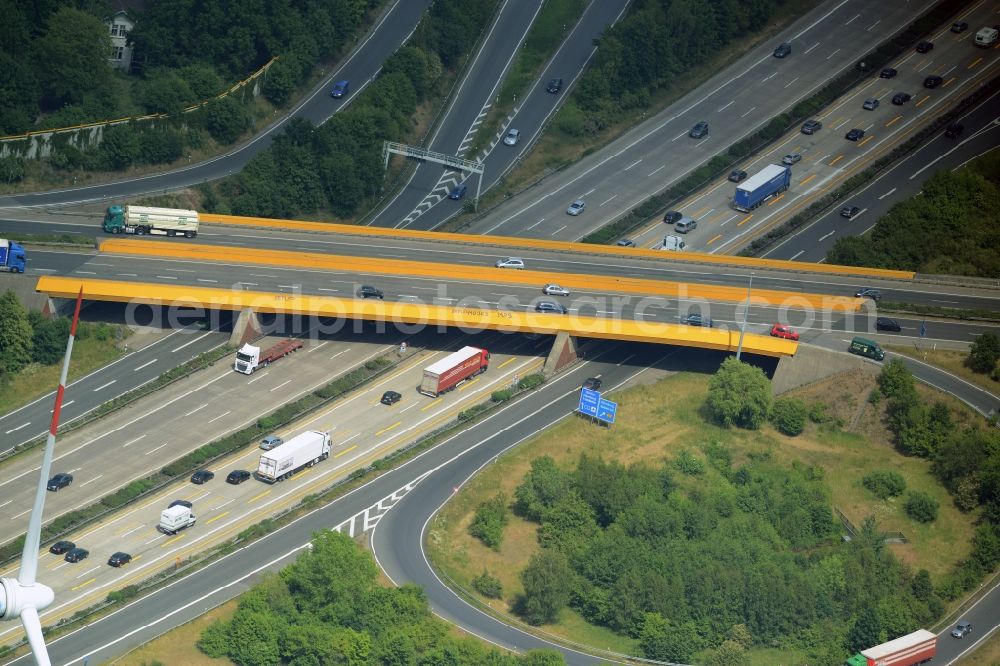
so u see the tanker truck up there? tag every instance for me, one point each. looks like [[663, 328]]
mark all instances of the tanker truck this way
[[142, 220]]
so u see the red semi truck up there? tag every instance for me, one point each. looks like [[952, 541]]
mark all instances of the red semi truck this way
[[452, 369], [915, 648]]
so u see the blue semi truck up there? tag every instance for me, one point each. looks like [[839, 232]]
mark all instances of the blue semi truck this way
[[755, 190], [11, 256]]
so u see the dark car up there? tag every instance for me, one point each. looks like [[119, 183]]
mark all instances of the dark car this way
[[550, 306], [555, 85], [933, 81], [868, 292], [60, 547], [954, 130], [901, 98], [457, 192], [672, 216], [390, 398], [237, 476], [783, 50], [855, 134], [737, 176], [119, 559], [340, 89], [183, 503], [593, 383], [886, 324], [925, 47], [887, 73], [811, 126], [699, 130], [368, 291], [961, 629], [76, 554], [697, 320], [202, 476], [59, 481], [625, 242], [959, 26], [849, 211]]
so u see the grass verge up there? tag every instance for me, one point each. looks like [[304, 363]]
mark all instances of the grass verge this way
[[950, 361], [849, 444]]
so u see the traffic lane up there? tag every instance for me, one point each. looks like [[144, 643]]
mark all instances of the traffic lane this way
[[134, 442], [901, 181], [567, 63], [381, 42], [106, 383], [983, 615], [429, 182], [228, 508], [662, 134]]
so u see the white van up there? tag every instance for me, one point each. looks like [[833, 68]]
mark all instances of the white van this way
[[673, 244], [987, 37]]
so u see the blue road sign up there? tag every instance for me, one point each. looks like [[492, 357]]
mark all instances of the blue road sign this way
[[589, 400], [607, 410]]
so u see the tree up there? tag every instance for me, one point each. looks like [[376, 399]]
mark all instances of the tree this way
[[72, 56], [789, 416], [226, 119], [664, 640], [15, 334], [739, 394], [921, 586], [984, 353], [543, 486], [547, 582], [884, 484], [730, 653], [866, 631], [921, 507], [896, 382], [490, 519]]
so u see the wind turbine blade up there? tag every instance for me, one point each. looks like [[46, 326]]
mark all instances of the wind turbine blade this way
[[32, 539], [33, 627]]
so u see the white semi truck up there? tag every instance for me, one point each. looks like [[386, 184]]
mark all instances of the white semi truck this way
[[142, 220], [304, 450]]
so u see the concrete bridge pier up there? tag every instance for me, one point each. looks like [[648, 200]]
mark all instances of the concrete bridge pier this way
[[564, 352], [246, 328]]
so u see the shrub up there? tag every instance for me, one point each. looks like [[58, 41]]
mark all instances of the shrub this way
[[487, 585], [501, 396], [531, 381], [789, 416], [491, 517], [688, 464], [921, 507], [884, 484], [984, 353], [739, 394]]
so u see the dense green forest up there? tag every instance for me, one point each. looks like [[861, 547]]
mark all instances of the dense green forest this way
[[952, 227], [328, 609]]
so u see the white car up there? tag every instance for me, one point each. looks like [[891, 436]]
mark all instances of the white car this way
[[510, 262], [576, 207], [555, 290], [512, 137]]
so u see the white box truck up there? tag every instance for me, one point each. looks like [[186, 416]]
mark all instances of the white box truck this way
[[304, 450], [176, 518]]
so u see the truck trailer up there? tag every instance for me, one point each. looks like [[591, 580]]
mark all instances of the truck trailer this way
[[176, 518], [447, 373], [304, 450], [767, 182], [11, 256], [915, 648], [249, 358], [142, 220]]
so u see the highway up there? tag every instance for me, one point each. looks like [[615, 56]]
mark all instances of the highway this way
[[422, 204], [657, 153], [361, 66]]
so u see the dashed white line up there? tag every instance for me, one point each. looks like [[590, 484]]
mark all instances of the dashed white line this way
[[887, 194], [199, 407], [607, 200], [827, 236], [558, 230], [157, 448], [810, 48], [91, 480], [792, 81], [796, 255], [17, 428], [833, 54], [851, 20], [145, 365], [133, 441], [632, 165], [218, 417], [280, 385], [873, 25], [723, 108], [748, 112], [105, 386], [536, 224], [659, 168]]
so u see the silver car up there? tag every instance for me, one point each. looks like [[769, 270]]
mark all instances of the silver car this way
[[270, 442], [512, 137], [576, 207], [870, 104], [510, 262], [555, 290], [791, 158]]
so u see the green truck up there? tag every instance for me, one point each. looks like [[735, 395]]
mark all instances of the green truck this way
[[142, 220], [867, 348]]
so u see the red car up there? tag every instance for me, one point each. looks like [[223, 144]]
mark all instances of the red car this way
[[782, 331]]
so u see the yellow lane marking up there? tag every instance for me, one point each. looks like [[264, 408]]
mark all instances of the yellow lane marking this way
[[806, 179], [467, 384], [433, 402], [974, 63], [775, 199], [258, 496], [698, 212], [83, 584], [744, 220], [923, 100], [949, 82], [866, 139], [717, 237], [215, 518], [137, 558], [893, 121], [346, 451], [507, 362], [388, 429], [170, 541], [836, 159]]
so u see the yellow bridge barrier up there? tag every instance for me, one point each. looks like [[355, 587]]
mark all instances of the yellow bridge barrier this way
[[572, 281], [514, 244], [413, 314]]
